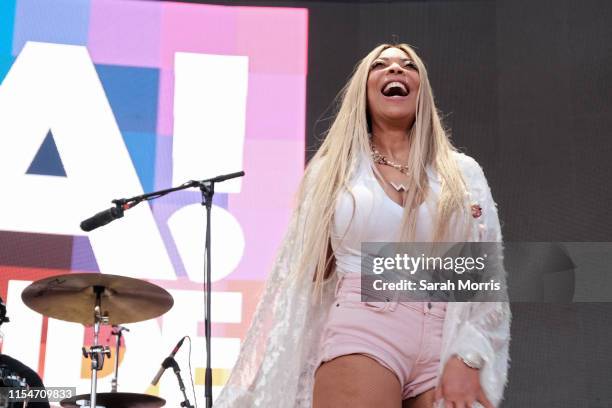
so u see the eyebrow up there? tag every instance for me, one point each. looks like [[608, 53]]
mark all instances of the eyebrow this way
[[387, 59]]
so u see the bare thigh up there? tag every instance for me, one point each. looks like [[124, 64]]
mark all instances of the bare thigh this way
[[356, 381], [423, 400]]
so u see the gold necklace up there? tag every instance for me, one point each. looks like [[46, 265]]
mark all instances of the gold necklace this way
[[380, 158]]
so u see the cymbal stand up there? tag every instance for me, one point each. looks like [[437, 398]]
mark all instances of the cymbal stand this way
[[96, 352], [118, 332]]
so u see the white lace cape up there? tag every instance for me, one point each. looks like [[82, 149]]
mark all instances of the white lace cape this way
[[276, 364]]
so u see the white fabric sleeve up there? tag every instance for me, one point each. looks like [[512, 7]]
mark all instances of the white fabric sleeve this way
[[485, 330]]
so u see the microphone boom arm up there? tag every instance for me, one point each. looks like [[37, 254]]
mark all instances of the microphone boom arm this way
[[122, 204], [127, 203]]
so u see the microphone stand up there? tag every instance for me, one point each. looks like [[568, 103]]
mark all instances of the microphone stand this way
[[208, 191], [207, 188], [171, 362]]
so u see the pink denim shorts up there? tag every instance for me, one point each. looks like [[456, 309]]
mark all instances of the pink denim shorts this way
[[404, 337]]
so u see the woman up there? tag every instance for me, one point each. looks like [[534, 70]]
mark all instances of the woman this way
[[303, 349]]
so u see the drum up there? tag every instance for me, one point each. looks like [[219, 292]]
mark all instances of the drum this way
[[11, 382]]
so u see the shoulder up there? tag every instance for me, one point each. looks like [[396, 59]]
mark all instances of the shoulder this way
[[472, 171], [468, 165]]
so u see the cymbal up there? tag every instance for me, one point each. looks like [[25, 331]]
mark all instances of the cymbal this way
[[116, 400], [71, 297]]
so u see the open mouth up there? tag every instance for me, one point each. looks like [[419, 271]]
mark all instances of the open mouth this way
[[395, 89]]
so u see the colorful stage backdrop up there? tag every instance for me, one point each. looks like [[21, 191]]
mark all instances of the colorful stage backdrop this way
[[103, 99]]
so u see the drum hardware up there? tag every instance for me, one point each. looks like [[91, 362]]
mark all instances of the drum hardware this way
[[123, 300], [113, 300], [116, 400], [117, 332], [96, 352]]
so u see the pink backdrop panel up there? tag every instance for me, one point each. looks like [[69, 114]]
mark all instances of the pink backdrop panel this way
[[263, 207], [269, 37], [125, 32], [197, 28], [276, 106]]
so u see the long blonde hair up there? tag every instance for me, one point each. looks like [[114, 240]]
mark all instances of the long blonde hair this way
[[347, 141]]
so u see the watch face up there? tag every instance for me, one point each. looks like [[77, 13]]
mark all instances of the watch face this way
[[473, 360]]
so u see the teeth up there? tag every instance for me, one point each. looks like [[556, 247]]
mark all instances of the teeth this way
[[394, 84]]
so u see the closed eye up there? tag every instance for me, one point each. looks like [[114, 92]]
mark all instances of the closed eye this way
[[411, 64], [407, 64]]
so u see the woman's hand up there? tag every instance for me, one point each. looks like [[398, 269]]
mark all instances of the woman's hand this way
[[460, 386]]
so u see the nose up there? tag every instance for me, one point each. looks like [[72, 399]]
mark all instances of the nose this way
[[396, 68]]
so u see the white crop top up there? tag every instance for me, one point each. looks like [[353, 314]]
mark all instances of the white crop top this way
[[377, 217]]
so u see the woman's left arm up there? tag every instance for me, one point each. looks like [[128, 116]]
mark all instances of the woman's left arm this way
[[486, 328], [484, 332]]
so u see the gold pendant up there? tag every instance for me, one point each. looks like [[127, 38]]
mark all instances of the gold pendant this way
[[399, 187]]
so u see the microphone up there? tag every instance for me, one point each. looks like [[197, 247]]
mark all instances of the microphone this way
[[102, 218], [164, 365], [224, 177]]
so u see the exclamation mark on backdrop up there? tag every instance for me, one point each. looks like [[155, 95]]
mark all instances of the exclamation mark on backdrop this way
[[210, 96]]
